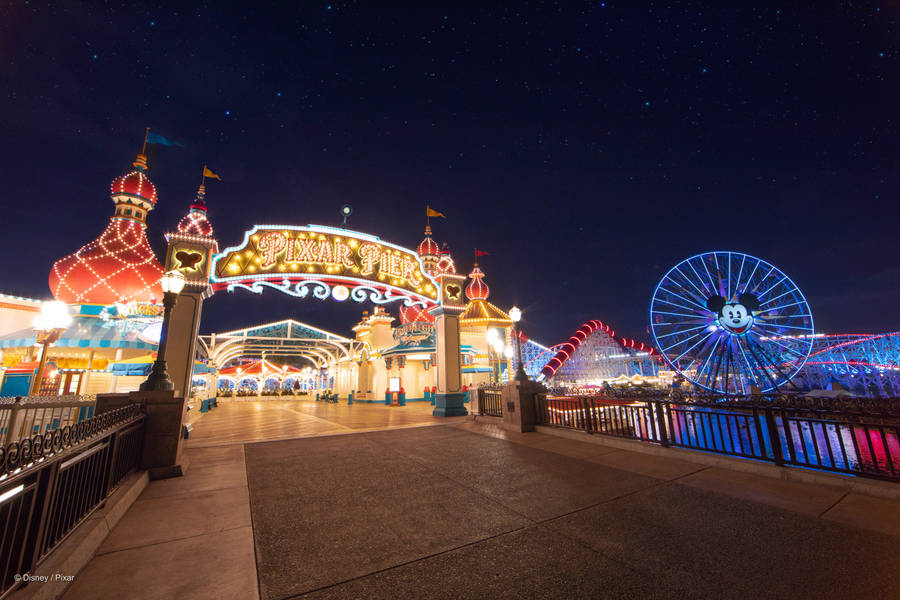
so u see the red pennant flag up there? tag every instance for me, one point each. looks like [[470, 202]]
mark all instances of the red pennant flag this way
[[481, 253], [522, 337]]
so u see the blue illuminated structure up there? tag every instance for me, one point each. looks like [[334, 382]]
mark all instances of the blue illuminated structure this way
[[863, 364], [731, 323], [535, 356]]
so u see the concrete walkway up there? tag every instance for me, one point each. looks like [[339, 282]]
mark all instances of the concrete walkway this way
[[472, 511], [239, 421]]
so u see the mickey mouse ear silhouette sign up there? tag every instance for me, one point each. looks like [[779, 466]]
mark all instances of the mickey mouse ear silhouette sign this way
[[729, 322]]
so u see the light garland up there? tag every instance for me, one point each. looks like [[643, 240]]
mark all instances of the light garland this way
[[119, 266], [415, 314], [477, 289], [195, 222], [308, 260]]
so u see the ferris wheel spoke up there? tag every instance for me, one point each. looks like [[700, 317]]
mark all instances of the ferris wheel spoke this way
[[700, 279], [718, 272], [782, 307], [674, 314], [727, 366], [737, 283], [761, 366], [778, 297], [690, 281], [786, 348], [774, 364], [715, 374], [783, 326], [749, 366], [700, 341], [772, 287], [700, 306], [715, 288], [752, 273], [728, 276], [712, 353], [762, 280], [665, 335], [679, 342]]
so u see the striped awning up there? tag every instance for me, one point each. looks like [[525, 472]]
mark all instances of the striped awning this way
[[89, 332]]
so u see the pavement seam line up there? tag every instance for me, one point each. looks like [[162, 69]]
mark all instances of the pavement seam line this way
[[252, 528], [201, 444], [702, 468], [409, 562], [187, 537], [838, 501]]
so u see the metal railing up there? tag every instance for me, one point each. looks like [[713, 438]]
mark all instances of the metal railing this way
[[854, 443], [26, 416], [490, 402], [51, 482]]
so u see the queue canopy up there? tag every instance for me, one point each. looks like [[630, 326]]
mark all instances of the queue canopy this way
[[89, 332], [142, 365]]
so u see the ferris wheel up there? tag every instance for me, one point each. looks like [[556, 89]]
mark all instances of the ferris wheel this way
[[730, 322]]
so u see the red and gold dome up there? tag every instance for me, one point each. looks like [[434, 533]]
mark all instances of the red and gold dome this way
[[429, 252], [479, 312], [477, 288], [136, 183], [118, 266], [196, 221], [428, 247]]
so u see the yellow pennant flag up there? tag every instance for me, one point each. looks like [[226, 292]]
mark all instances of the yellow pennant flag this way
[[433, 213], [208, 173]]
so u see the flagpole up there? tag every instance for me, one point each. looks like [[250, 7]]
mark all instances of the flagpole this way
[[144, 147], [203, 176], [427, 217]]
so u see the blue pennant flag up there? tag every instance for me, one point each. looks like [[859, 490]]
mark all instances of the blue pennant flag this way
[[155, 138]]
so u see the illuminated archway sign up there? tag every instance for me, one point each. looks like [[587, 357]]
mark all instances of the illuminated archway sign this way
[[324, 262]]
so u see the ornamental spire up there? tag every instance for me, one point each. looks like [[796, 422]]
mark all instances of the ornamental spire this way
[[477, 288], [140, 163], [195, 222]]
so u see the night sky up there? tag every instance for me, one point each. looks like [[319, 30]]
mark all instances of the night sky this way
[[588, 146]]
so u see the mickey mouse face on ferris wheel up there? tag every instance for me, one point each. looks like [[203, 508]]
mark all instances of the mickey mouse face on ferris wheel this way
[[735, 317]]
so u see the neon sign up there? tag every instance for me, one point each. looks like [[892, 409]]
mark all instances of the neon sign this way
[[312, 259]]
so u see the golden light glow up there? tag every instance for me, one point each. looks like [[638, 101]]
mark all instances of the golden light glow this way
[[280, 250]]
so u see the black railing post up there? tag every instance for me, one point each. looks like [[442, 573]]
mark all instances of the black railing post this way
[[660, 422], [111, 463], [33, 546], [586, 414], [774, 438]]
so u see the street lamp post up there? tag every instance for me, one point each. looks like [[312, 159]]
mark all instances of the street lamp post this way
[[158, 380], [48, 326], [515, 313]]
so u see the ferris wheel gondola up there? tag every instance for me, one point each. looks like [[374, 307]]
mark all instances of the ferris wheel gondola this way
[[730, 322]]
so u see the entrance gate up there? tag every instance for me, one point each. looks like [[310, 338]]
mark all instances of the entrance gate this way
[[325, 263]]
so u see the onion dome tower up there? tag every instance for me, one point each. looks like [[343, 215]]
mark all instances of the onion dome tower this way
[[118, 266], [445, 263], [477, 288], [195, 222], [429, 252], [479, 311]]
